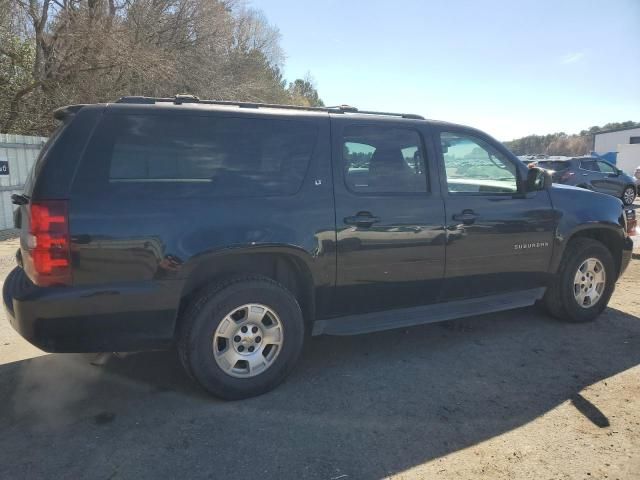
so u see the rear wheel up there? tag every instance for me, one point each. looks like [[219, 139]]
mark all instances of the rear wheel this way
[[628, 195], [584, 282], [241, 338]]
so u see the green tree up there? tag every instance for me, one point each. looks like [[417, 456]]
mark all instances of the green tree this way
[[303, 92], [561, 143]]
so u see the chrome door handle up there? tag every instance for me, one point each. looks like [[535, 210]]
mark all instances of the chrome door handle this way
[[361, 219], [467, 217]]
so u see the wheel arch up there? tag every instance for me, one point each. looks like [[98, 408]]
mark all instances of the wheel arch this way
[[289, 266], [610, 236]]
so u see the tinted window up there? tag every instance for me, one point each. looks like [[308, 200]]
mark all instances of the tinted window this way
[[589, 165], [383, 160], [229, 156], [474, 166], [46, 148]]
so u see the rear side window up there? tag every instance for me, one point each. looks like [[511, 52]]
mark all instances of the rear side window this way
[[227, 156], [383, 160], [591, 165], [46, 148]]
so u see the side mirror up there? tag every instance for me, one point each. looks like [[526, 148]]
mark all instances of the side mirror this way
[[538, 179]]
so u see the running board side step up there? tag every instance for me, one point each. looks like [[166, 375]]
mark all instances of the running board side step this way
[[438, 312]]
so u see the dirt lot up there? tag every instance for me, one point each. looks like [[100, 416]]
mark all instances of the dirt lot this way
[[513, 395]]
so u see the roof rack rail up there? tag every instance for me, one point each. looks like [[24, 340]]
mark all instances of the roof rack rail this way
[[187, 98], [413, 116]]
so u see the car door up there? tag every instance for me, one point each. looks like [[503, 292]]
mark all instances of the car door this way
[[610, 179], [591, 175], [499, 238], [389, 216]]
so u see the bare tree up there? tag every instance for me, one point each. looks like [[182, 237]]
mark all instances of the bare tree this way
[[57, 52]]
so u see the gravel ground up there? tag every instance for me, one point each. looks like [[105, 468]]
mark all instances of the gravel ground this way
[[511, 395]]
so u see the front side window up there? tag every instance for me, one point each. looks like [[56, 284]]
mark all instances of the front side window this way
[[474, 166], [383, 160], [606, 168]]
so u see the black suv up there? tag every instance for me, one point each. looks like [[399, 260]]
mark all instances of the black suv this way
[[233, 231]]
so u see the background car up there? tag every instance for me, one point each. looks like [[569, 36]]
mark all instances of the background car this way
[[593, 174]]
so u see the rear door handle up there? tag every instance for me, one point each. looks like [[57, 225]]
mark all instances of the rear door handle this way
[[467, 217], [361, 219]]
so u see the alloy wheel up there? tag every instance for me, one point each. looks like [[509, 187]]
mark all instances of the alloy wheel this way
[[589, 282], [248, 340], [629, 196]]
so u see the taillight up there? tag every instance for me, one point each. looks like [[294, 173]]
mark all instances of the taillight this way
[[631, 222], [46, 252], [566, 176]]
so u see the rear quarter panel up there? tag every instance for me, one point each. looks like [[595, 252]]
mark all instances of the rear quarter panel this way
[[165, 232]]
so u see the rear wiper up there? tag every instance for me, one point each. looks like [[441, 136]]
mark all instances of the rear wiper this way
[[20, 199]]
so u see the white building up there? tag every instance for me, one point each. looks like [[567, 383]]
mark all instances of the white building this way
[[620, 146]]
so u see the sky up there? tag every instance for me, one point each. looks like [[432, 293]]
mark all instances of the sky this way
[[510, 68]]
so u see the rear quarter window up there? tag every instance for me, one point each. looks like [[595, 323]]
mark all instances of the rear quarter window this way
[[37, 166], [223, 156]]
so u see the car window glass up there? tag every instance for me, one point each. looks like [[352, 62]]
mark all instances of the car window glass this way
[[590, 165], [606, 168], [553, 165], [227, 156], [380, 159], [474, 166]]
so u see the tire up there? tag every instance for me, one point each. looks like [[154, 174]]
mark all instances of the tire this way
[[559, 299], [628, 195], [201, 345]]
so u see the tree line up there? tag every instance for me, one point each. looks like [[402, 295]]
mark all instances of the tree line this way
[[61, 52], [562, 143]]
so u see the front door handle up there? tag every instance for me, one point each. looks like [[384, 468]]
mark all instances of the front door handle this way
[[361, 219], [467, 217]]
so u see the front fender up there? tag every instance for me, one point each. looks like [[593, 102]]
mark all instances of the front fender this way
[[586, 213]]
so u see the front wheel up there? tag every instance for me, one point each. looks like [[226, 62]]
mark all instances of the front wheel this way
[[628, 195], [584, 282], [242, 337]]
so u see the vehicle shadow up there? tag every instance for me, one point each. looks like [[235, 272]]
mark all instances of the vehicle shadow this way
[[364, 406]]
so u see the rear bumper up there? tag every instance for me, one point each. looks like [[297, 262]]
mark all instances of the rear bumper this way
[[112, 318]]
